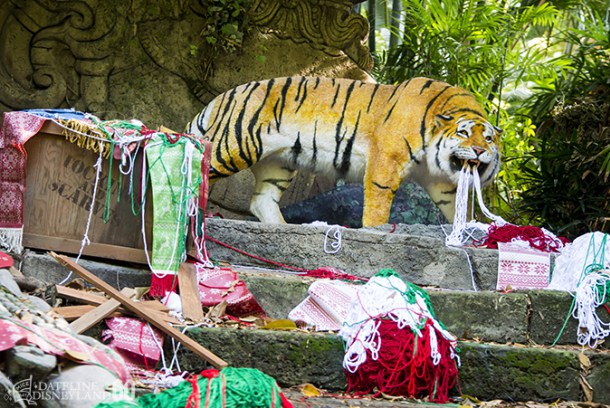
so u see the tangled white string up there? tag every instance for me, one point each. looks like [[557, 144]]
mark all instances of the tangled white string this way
[[590, 294], [384, 296], [334, 246], [462, 230], [86, 241], [583, 269]]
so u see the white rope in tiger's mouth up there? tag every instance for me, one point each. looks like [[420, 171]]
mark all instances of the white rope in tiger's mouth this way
[[468, 175]]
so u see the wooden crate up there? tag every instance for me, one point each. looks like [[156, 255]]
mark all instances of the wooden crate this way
[[58, 196]]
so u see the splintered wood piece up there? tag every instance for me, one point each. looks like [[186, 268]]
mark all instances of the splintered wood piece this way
[[71, 313], [189, 292], [93, 317], [80, 296], [189, 343], [92, 299]]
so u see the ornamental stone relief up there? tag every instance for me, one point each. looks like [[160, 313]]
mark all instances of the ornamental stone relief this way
[[120, 59]]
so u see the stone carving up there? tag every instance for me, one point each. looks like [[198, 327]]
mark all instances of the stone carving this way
[[58, 53], [326, 25], [122, 60], [65, 53]]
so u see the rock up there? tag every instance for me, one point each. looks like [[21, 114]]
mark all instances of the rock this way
[[85, 386], [23, 361], [39, 303], [9, 397], [343, 206], [6, 280]]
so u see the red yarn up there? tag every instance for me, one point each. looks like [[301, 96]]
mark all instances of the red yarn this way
[[322, 272], [534, 235], [404, 366], [160, 285], [328, 272], [193, 399]]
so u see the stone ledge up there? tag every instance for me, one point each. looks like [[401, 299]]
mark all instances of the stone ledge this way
[[519, 317], [417, 252], [43, 267], [488, 371]]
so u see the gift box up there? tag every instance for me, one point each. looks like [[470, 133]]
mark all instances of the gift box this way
[[48, 197]]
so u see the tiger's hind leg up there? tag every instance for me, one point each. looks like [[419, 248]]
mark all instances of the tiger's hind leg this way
[[271, 181]]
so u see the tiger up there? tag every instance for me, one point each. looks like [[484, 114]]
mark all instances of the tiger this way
[[422, 129]]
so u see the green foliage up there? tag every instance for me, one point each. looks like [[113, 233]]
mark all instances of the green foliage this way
[[472, 44], [225, 23], [568, 171], [568, 193], [525, 61]]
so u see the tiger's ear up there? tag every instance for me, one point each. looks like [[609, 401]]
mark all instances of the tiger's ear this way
[[441, 120], [498, 130]]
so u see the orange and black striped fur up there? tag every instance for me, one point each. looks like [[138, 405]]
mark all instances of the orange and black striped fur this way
[[422, 129]]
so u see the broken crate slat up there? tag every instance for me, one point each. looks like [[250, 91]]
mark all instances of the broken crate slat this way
[[186, 341], [92, 299], [80, 296], [71, 313], [93, 317], [189, 292]]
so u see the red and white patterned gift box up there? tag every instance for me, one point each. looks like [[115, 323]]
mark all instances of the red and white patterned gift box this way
[[327, 305], [136, 341], [521, 267]]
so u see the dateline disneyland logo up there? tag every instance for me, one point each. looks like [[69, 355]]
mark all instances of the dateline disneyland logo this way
[[30, 392]]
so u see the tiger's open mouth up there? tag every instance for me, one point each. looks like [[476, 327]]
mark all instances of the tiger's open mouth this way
[[458, 164]]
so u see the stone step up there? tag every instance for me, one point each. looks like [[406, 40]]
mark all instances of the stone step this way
[[527, 317], [416, 252], [487, 372], [505, 338]]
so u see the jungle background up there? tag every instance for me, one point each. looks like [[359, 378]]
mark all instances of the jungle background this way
[[542, 69]]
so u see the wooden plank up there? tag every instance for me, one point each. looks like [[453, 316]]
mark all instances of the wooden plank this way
[[92, 299], [72, 246], [80, 296], [94, 316], [154, 305], [189, 292], [72, 312], [186, 341], [89, 298]]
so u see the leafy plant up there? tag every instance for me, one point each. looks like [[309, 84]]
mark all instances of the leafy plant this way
[[568, 169], [492, 48], [225, 23], [569, 194]]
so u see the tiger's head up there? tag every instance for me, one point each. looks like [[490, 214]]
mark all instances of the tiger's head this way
[[468, 140]]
